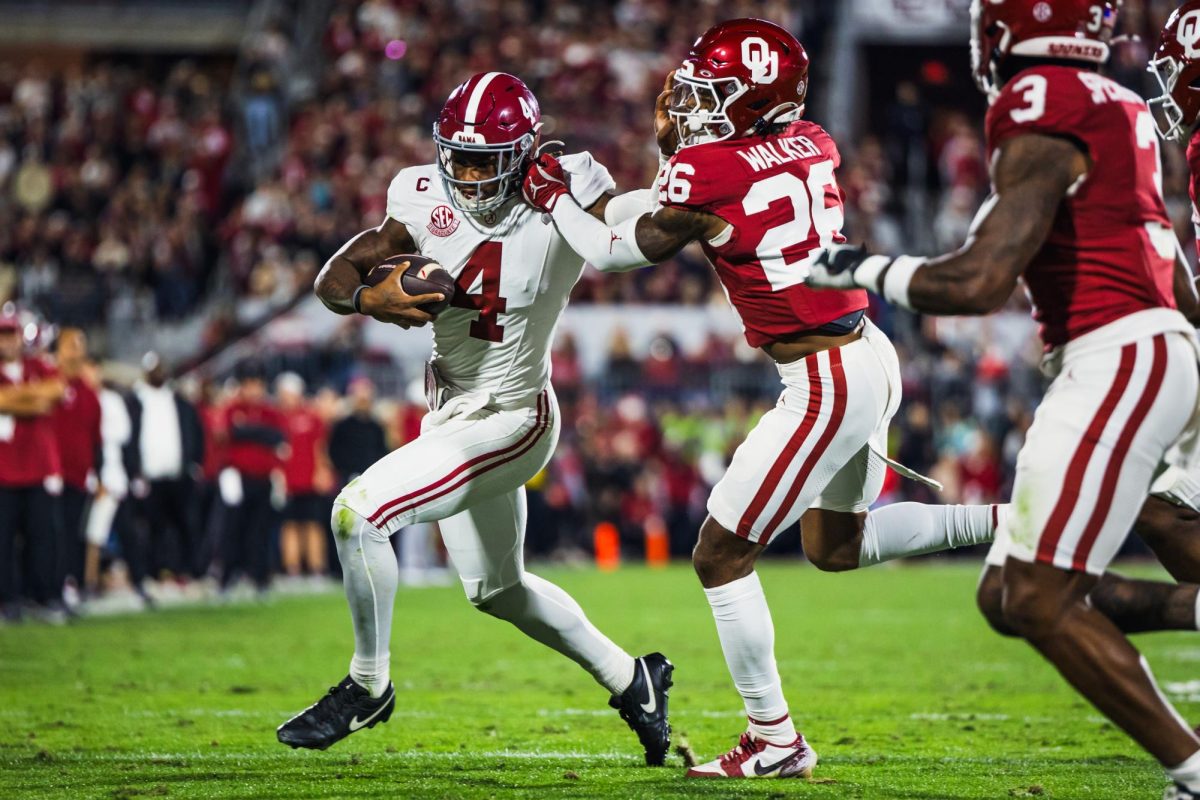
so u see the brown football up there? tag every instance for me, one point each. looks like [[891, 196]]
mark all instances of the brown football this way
[[423, 276]]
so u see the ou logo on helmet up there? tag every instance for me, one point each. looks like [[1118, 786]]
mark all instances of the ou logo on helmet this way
[[760, 59], [1188, 33]]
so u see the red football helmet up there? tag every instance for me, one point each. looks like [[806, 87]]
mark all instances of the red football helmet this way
[[740, 76], [1176, 65], [1078, 30], [493, 119]]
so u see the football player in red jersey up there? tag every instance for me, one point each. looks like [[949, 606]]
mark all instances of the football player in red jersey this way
[[1076, 211], [1176, 65], [754, 184]]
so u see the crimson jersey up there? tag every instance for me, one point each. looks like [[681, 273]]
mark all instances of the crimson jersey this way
[[28, 451], [1111, 251], [1193, 159], [779, 194]]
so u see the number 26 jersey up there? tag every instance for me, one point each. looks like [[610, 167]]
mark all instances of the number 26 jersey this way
[[780, 197], [513, 276]]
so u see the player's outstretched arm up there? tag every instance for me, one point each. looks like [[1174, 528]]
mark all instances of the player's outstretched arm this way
[[638, 241], [343, 274], [1031, 175]]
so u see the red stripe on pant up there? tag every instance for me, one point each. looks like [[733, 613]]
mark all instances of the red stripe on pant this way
[[831, 428], [1112, 472], [1073, 481], [542, 412], [532, 437], [775, 474]]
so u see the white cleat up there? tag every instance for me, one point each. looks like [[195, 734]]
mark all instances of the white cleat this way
[[755, 758]]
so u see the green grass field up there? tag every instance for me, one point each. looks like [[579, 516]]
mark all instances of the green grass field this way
[[891, 674]]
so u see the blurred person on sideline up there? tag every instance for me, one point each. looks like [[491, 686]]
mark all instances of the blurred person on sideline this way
[[307, 473], [109, 510], [167, 443], [76, 422], [358, 439], [30, 477], [257, 445]]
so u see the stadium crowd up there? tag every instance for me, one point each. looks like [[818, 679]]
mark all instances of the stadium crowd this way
[[117, 203]]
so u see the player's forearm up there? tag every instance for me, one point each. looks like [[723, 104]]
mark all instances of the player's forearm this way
[[608, 249], [336, 284]]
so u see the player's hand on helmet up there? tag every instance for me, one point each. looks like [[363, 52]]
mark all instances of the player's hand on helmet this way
[[388, 302], [664, 127], [545, 181], [845, 266]]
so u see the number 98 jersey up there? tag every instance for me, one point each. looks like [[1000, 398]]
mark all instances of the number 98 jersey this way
[[780, 197], [1111, 250], [513, 276]]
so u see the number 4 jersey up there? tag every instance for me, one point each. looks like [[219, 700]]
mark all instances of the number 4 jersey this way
[[780, 197], [1111, 251], [513, 276]]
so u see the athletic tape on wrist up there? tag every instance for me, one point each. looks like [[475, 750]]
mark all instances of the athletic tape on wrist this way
[[898, 276]]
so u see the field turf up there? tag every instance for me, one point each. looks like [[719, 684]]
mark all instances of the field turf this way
[[891, 673]]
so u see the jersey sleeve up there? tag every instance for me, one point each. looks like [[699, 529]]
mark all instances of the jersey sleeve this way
[[589, 178], [399, 203], [1050, 103]]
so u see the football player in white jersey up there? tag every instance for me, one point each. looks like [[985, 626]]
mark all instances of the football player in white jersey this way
[[493, 419]]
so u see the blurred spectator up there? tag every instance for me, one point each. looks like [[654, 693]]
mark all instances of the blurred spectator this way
[[77, 433], [309, 479], [167, 443], [357, 440], [257, 443], [30, 477]]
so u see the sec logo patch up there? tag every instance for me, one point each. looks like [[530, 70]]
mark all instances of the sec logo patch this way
[[442, 221]]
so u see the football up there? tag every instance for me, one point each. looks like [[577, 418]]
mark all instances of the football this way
[[423, 276]]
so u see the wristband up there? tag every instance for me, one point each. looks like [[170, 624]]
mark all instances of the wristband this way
[[897, 277], [356, 300], [866, 274]]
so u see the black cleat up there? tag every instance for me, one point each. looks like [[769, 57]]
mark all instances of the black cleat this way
[[345, 709], [643, 706]]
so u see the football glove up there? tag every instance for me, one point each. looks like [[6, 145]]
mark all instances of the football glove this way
[[544, 182], [844, 266]]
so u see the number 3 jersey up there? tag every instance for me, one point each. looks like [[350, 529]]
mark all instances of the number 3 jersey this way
[[513, 276], [780, 197], [1111, 250]]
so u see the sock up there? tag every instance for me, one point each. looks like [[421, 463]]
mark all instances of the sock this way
[[547, 614], [1196, 619], [912, 529], [1188, 773], [748, 641], [370, 575]]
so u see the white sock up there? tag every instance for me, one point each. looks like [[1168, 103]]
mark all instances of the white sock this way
[[1188, 773], [547, 614], [748, 641], [912, 529], [1196, 619], [370, 575]]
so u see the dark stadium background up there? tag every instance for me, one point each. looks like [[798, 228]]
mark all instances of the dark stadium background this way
[[173, 174]]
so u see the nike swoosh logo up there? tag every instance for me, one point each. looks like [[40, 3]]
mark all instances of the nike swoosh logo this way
[[355, 724], [760, 770], [652, 706]]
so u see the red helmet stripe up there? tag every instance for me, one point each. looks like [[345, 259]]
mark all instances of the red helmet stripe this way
[[476, 98]]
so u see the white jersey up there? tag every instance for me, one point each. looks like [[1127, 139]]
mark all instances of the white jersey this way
[[514, 274]]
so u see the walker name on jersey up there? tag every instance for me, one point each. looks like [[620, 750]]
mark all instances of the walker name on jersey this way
[[790, 148]]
